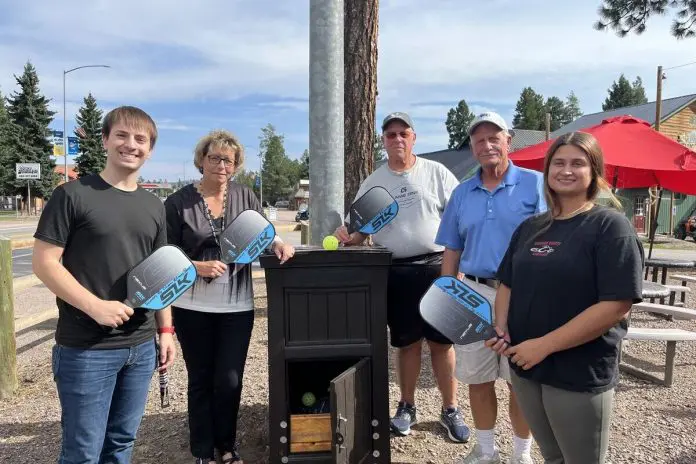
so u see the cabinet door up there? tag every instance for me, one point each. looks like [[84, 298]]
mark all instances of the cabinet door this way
[[350, 414]]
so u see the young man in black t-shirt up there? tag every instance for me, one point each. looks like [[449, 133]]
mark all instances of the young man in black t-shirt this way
[[90, 234]]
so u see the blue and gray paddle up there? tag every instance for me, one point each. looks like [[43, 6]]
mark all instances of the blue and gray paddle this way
[[459, 310]]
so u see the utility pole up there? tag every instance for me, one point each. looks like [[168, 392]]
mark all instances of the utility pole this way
[[658, 117], [326, 124]]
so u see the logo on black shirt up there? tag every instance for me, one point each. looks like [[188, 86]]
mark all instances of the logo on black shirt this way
[[544, 248]]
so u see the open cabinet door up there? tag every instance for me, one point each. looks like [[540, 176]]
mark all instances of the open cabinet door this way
[[350, 414]]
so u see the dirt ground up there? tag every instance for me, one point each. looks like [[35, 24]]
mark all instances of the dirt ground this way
[[651, 424]]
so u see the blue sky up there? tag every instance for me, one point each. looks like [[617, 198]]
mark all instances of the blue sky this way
[[242, 64]]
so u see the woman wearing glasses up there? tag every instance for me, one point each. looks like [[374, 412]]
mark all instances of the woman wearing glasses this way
[[214, 318]]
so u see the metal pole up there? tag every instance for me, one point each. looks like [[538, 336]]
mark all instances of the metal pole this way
[[326, 181], [260, 175], [65, 142], [28, 198]]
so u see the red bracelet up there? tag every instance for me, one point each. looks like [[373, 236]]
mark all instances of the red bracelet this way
[[169, 330]]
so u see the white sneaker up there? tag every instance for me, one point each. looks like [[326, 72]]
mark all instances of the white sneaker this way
[[524, 459], [477, 457]]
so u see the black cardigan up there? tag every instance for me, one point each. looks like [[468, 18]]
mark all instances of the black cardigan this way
[[187, 226]]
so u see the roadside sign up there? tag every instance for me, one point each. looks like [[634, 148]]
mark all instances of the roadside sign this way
[[28, 170]]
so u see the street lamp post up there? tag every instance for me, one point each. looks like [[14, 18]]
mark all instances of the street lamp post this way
[[65, 115]]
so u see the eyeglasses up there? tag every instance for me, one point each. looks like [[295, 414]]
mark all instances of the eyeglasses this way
[[392, 135], [214, 161]]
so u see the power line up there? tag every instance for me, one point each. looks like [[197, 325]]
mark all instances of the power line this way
[[680, 66]]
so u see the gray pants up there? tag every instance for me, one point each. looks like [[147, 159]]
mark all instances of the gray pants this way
[[569, 427]]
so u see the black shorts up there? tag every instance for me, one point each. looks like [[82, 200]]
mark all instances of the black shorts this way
[[409, 279]]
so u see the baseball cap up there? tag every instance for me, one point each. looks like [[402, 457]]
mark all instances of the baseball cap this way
[[398, 116], [489, 116]]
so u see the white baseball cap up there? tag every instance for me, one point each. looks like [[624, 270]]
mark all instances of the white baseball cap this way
[[489, 116]]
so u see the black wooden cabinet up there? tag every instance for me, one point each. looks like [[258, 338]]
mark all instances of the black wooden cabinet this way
[[327, 334]]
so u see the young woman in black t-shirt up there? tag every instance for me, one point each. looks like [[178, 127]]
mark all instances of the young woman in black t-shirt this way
[[568, 280]]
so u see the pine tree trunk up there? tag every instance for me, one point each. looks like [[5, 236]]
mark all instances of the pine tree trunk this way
[[360, 92]]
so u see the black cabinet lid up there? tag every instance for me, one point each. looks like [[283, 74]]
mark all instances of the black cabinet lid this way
[[316, 256]]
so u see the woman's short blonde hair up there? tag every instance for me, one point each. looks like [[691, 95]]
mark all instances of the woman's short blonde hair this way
[[220, 139]]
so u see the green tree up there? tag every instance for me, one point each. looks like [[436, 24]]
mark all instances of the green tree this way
[[304, 165], [556, 107], [377, 149], [572, 109], [28, 138], [247, 178], [278, 170], [530, 111], [639, 96], [5, 128], [458, 121], [92, 157], [624, 16], [622, 94]]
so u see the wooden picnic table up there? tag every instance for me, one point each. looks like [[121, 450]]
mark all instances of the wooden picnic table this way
[[664, 263], [652, 290]]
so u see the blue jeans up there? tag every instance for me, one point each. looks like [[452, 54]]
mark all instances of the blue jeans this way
[[102, 397]]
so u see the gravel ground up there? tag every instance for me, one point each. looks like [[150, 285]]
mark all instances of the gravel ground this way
[[651, 424]]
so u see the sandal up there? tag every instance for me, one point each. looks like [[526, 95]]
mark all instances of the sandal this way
[[203, 461], [229, 457]]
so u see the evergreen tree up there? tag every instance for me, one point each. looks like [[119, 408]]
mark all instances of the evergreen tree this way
[[29, 135], [378, 153], [624, 16], [92, 157], [304, 165], [458, 121], [572, 109], [277, 168], [5, 128], [639, 96], [621, 94], [529, 112], [555, 106]]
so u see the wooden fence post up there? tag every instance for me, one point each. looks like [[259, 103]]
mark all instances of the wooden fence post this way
[[8, 352], [305, 233]]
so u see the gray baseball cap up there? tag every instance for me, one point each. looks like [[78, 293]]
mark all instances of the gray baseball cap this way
[[491, 117], [398, 116]]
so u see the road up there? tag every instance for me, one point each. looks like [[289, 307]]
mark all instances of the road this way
[[18, 229], [21, 262], [21, 258]]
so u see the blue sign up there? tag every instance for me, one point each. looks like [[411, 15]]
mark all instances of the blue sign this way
[[258, 181], [73, 146]]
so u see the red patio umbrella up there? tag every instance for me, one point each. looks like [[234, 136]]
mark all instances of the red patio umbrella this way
[[635, 156]]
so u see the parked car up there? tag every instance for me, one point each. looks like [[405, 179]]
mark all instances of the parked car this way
[[282, 204]]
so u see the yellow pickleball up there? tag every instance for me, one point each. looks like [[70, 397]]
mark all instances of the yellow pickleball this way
[[330, 242]]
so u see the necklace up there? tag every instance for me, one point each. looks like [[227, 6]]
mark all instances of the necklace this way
[[209, 214], [581, 209]]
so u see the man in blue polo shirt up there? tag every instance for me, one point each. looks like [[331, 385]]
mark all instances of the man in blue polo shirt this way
[[476, 228]]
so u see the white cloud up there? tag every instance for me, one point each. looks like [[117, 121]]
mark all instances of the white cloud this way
[[298, 105], [170, 124]]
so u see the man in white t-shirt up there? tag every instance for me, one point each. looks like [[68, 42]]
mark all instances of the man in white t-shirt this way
[[422, 188]]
